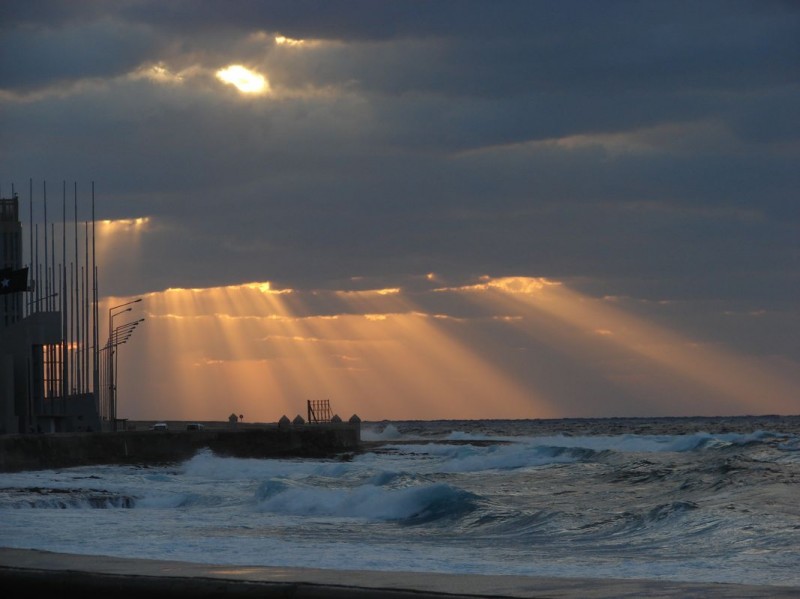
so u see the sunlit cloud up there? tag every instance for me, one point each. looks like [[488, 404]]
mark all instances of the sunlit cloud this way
[[266, 288], [643, 141], [159, 73], [295, 44], [245, 80], [282, 40], [369, 292], [124, 225], [522, 285]]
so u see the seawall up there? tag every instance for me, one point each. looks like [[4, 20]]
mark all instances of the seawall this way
[[64, 450]]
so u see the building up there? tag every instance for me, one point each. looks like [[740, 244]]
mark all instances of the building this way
[[10, 260], [49, 355]]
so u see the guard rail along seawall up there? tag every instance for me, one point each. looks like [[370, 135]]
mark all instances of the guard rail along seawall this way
[[64, 450]]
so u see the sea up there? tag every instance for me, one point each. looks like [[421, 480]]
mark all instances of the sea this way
[[680, 499]]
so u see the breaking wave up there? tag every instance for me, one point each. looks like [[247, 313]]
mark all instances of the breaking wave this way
[[412, 505], [599, 498]]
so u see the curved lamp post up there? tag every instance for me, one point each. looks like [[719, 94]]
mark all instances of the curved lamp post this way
[[119, 337], [112, 387]]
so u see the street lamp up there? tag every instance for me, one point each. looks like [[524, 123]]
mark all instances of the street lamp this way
[[120, 336], [124, 331], [112, 390]]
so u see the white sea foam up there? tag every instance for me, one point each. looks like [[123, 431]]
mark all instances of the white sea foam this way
[[506, 457], [526, 452], [715, 507], [649, 443], [388, 432], [207, 465]]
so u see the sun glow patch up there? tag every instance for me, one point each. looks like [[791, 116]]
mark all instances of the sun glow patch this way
[[245, 80], [159, 73], [282, 40], [126, 224]]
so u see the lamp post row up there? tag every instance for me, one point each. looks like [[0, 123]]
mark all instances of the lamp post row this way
[[117, 337]]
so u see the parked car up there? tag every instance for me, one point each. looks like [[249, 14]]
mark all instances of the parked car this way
[[194, 426], [160, 426]]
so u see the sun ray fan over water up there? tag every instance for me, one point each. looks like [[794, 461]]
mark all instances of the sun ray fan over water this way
[[503, 348]]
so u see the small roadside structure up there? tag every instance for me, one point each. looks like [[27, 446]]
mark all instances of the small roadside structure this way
[[233, 420]]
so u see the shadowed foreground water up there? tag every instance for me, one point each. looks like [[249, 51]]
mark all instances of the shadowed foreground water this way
[[671, 500]]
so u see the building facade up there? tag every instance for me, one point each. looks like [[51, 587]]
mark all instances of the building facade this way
[[48, 365]]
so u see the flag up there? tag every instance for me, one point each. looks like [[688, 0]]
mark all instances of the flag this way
[[13, 281]]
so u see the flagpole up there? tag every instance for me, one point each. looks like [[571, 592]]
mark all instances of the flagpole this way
[[64, 330], [95, 337], [46, 263], [30, 236]]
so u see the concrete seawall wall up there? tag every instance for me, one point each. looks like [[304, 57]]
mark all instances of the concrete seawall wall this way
[[63, 450]]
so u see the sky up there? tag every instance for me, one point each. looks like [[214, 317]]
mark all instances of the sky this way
[[425, 209]]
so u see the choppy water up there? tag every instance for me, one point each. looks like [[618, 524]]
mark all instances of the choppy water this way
[[714, 500]]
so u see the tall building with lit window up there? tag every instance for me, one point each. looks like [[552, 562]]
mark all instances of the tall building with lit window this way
[[47, 369]]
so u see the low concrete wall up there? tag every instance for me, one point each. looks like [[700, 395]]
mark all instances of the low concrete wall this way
[[62, 450]]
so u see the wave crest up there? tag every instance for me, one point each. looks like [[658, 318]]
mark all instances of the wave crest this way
[[412, 505]]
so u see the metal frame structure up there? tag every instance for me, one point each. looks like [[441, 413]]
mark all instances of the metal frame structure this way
[[319, 410]]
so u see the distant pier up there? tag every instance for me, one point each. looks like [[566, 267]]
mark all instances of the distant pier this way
[[139, 444]]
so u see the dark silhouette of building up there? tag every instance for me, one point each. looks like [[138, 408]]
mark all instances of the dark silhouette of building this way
[[49, 355]]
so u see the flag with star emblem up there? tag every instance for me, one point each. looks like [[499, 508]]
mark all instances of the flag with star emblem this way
[[13, 280]]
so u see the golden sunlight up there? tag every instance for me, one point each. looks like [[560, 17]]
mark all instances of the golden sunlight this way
[[159, 73], [113, 235], [245, 80], [503, 348], [125, 224], [627, 349], [255, 350], [282, 40]]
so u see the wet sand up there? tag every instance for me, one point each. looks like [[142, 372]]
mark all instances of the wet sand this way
[[37, 572]]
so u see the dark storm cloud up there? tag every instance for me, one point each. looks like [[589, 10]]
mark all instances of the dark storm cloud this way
[[644, 146], [45, 54], [496, 48]]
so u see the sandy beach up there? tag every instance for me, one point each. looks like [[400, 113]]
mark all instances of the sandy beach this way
[[43, 571]]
